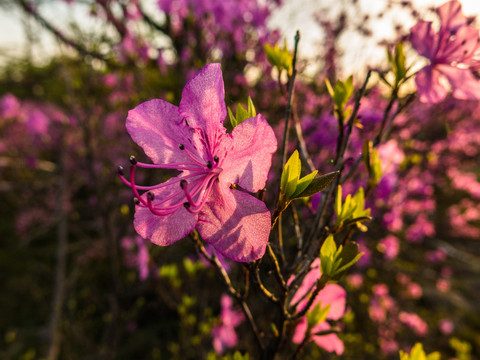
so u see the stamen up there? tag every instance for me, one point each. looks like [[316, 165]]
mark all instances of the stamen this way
[[186, 204], [178, 166], [121, 171], [215, 158], [136, 201], [133, 160], [205, 197], [150, 196], [181, 147], [192, 157], [183, 183], [209, 164]]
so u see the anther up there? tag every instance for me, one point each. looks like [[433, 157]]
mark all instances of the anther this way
[[183, 183], [133, 161], [120, 171], [151, 195], [136, 201], [209, 164], [215, 158], [186, 204], [181, 147]]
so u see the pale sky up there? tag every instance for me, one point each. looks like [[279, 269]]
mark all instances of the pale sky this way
[[294, 14]]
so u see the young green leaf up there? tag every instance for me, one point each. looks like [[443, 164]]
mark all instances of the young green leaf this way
[[318, 184]]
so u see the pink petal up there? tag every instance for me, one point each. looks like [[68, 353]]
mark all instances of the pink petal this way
[[156, 126], [300, 331], [203, 102], [460, 48], [329, 342], [235, 223], [465, 86], [308, 281], [429, 88], [451, 15], [334, 295], [424, 39], [248, 162], [164, 230]]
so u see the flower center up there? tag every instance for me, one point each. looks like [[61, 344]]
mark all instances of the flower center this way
[[190, 189]]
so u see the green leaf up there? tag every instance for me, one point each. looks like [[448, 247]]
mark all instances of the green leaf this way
[[290, 175], [338, 201], [317, 315], [329, 88], [233, 121], [303, 183], [318, 184], [250, 108], [329, 248]]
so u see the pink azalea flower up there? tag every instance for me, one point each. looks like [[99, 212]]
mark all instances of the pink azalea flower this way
[[451, 51], [191, 138], [333, 295], [224, 335]]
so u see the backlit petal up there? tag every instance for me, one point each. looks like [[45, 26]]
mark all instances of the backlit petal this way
[[465, 86], [156, 126], [424, 39], [429, 88], [203, 102], [235, 223], [249, 160]]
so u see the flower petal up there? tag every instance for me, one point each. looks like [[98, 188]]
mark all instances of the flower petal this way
[[167, 229], [334, 295], [156, 126], [429, 87], [249, 160], [300, 331], [330, 342], [451, 15], [203, 102], [465, 86], [307, 283], [424, 39], [235, 223]]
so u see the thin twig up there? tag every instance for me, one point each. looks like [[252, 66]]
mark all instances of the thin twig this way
[[233, 292], [301, 141], [263, 289], [288, 110]]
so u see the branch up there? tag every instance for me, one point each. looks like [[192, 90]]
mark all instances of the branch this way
[[28, 8]]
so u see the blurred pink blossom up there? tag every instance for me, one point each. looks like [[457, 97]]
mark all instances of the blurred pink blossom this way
[[224, 335], [451, 52], [332, 295], [414, 322]]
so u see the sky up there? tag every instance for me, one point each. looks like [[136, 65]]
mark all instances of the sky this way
[[294, 14]]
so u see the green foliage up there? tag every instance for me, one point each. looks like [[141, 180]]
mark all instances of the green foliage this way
[[351, 211], [372, 163], [341, 93], [462, 348], [397, 61], [291, 186], [417, 353], [317, 315], [281, 58], [237, 355], [335, 261], [242, 113]]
